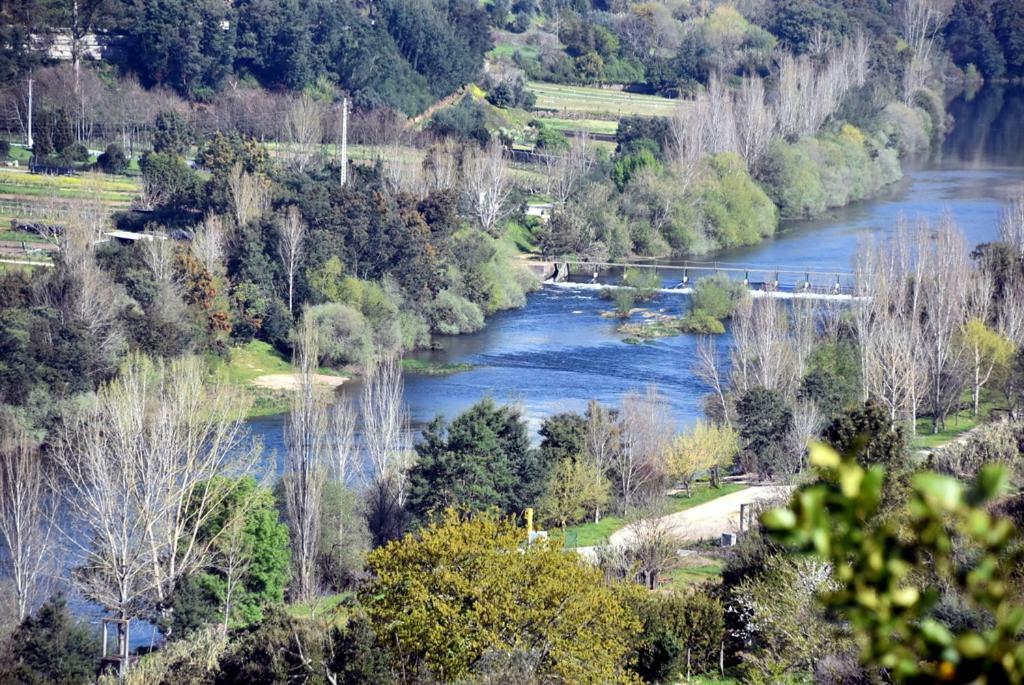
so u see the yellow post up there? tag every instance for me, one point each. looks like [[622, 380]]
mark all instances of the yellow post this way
[[529, 520]]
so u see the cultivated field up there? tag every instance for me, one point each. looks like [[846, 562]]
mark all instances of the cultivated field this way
[[599, 101]]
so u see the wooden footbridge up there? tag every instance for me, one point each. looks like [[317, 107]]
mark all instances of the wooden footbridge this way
[[683, 275]]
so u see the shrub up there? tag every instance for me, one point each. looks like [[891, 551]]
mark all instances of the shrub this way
[[674, 625], [112, 160], [5, 148], [736, 210], [717, 296], [907, 128], [644, 281], [343, 334], [699, 321], [624, 299], [452, 314], [792, 180], [50, 647]]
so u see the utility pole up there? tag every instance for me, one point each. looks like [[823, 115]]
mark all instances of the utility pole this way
[[31, 143], [344, 141]]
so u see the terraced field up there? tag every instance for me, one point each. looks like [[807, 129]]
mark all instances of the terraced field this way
[[599, 102]]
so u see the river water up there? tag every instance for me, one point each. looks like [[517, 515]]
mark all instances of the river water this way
[[557, 352]]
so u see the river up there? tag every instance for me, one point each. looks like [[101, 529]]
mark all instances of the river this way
[[557, 353]]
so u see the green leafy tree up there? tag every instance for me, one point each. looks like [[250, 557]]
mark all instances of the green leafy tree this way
[[681, 635], [465, 588], [482, 459], [576, 490], [970, 39], [112, 160], [764, 421], [877, 571], [171, 133], [50, 647], [989, 352], [563, 436]]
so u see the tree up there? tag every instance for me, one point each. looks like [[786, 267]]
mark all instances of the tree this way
[[562, 436], [638, 464], [249, 565], [897, 629], [50, 647], [248, 194], [989, 353], [465, 587], [487, 186], [575, 489], [705, 448], [482, 459], [27, 508], [304, 129], [386, 425], [764, 420], [306, 464], [112, 160], [290, 233], [172, 134], [1008, 20], [134, 460]]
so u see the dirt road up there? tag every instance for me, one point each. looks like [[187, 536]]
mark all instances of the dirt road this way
[[709, 521]]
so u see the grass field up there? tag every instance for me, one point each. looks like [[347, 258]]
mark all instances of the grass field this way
[[256, 358], [690, 575], [599, 101], [956, 425], [509, 50], [589, 534], [589, 125]]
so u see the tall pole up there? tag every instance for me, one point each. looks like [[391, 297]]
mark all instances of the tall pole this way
[[31, 143], [344, 141]]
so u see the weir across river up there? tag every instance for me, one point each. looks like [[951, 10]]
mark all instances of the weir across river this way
[[682, 276]]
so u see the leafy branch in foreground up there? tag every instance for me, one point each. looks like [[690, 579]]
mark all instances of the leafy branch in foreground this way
[[878, 568]]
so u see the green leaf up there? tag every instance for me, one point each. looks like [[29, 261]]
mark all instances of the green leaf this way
[[938, 489], [779, 519], [992, 481]]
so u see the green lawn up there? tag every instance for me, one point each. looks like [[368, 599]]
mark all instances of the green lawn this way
[[609, 127], [956, 424], [521, 236], [321, 607], [19, 235], [509, 50], [690, 575], [256, 358], [600, 101], [589, 534]]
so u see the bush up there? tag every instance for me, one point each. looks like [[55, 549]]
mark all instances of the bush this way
[[5, 148], [624, 299], [674, 625], [792, 180], [112, 160], [907, 129], [699, 321], [467, 119], [644, 281], [50, 647], [736, 210], [452, 314], [344, 336], [717, 296]]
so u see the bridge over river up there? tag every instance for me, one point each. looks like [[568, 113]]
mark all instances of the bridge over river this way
[[777, 280]]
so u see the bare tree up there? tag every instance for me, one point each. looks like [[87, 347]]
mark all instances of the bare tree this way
[[304, 129], [135, 463], [639, 466], [566, 172], [249, 195], [756, 121], [26, 516], [708, 369], [209, 243], [486, 186], [944, 297], [807, 425], [290, 233], [441, 165], [386, 424], [306, 468], [920, 23], [1011, 225]]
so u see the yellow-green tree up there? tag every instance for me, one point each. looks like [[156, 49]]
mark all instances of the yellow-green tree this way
[[465, 591], [989, 352], [706, 448], [576, 489]]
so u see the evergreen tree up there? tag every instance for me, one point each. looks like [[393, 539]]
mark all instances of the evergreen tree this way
[[482, 459], [50, 647], [970, 40], [1008, 18]]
